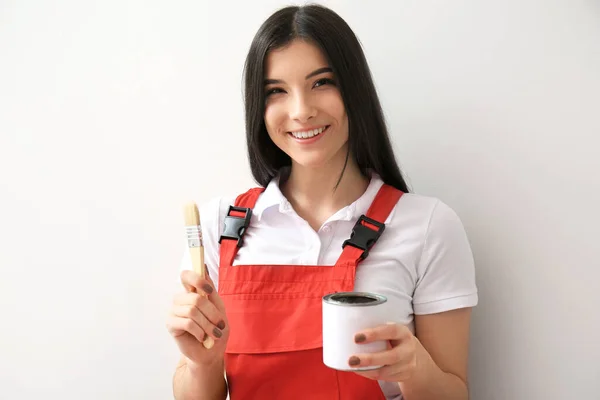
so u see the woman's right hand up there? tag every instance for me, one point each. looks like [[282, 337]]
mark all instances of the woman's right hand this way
[[195, 316]]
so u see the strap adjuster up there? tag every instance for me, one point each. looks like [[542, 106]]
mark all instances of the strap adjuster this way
[[363, 237], [234, 226]]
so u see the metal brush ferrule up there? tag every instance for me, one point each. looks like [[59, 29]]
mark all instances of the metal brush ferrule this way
[[194, 236]]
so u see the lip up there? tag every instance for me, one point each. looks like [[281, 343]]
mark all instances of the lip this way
[[312, 139], [308, 128]]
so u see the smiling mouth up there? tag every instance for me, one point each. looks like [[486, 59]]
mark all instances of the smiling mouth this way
[[308, 134]]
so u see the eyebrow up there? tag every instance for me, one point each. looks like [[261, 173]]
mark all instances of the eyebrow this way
[[314, 73]]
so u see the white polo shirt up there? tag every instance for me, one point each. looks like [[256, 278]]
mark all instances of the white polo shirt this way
[[422, 262]]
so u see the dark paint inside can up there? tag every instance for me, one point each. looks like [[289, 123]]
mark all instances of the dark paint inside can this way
[[354, 298]]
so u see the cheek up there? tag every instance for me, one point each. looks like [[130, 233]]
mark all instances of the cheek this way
[[333, 103], [273, 118], [340, 110]]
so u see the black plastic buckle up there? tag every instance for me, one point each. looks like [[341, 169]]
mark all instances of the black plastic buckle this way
[[235, 227], [363, 237]]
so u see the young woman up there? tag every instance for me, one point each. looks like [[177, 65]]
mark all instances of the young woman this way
[[319, 149]]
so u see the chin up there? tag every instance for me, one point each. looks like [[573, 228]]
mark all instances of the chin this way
[[310, 162]]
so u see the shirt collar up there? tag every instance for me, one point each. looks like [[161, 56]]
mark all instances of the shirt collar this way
[[272, 197], [362, 204]]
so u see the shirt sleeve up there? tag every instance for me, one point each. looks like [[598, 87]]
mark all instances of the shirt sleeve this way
[[446, 270], [210, 222]]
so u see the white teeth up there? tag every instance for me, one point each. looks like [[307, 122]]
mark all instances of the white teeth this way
[[307, 134]]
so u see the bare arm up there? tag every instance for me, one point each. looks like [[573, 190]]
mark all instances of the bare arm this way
[[200, 373], [442, 354], [199, 382]]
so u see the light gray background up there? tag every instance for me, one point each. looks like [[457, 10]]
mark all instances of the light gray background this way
[[115, 113]]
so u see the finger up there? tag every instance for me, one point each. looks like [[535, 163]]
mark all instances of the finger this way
[[178, 326], [192, 280], [388, 372], [210, 310], [387, 357], [214, 296], [392, 331], [192, 312], [194, 283], [395, 372], [217, 300], [204, 305], [398, 359]]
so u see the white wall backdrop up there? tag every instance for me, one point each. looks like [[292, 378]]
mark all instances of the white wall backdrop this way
[[114, 113]]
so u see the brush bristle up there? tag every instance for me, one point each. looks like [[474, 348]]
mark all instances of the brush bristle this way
[[191, 214]]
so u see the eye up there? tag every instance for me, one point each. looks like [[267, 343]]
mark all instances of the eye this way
[[324, 81], [270, 92]]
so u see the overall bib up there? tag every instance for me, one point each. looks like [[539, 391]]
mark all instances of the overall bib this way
[[275, 318]]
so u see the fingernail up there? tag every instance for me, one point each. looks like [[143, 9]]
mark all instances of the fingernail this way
[[221, 325], [207, 288], [217, 333], [354, 361], [360, 338]]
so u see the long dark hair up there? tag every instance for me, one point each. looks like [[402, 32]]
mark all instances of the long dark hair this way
[[368, 138]]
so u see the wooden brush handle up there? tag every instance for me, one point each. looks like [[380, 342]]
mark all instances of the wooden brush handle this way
[[196, 248]]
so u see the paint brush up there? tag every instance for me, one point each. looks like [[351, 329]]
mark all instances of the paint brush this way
[[196, 247]]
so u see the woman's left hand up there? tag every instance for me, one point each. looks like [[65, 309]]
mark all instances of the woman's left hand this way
[[398, 362]]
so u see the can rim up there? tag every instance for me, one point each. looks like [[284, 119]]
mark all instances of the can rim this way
[[332, 298]]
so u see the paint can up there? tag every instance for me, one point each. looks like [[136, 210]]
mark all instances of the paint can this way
[[344, 315]]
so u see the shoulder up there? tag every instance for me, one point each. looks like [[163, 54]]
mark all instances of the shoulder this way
[[426, 211], [432, 222], [440, 218]]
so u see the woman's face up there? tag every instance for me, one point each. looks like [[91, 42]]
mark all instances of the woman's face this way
[[304, 111]]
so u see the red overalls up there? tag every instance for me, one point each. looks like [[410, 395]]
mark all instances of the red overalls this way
[[274, 311]]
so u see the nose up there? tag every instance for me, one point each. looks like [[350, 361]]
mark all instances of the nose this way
[[302, 109]]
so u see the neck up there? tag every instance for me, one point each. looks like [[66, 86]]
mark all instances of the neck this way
[[313, 194]]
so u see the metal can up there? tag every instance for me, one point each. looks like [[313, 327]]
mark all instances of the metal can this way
[[344, 315]]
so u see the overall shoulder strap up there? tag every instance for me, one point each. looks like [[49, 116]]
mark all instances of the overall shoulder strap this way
[[369, 226], [235, 224]]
